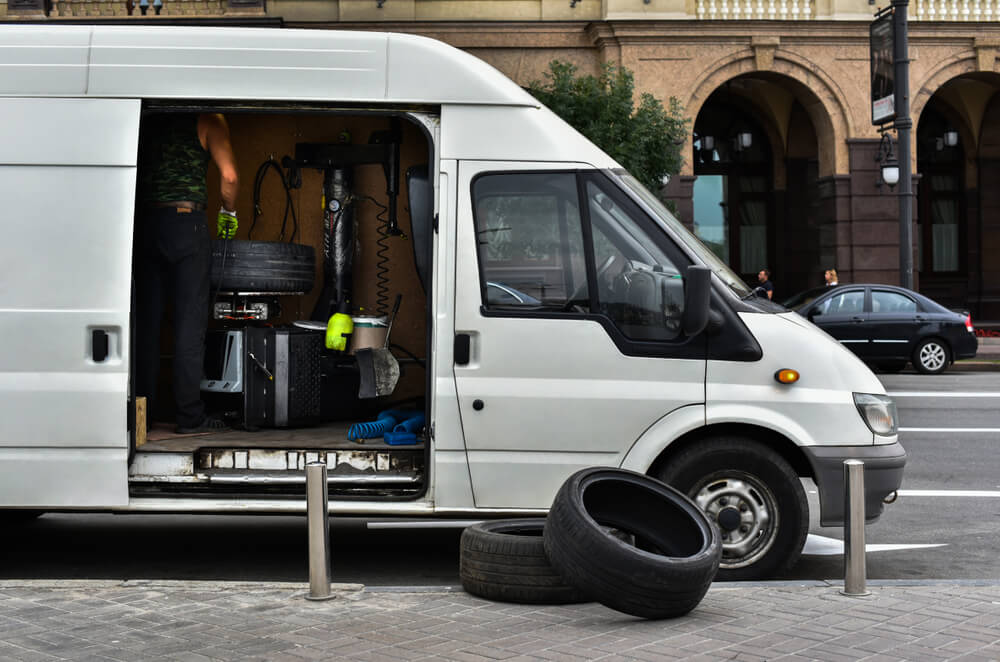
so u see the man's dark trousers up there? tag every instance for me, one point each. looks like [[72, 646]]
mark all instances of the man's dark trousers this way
[[173, 257]]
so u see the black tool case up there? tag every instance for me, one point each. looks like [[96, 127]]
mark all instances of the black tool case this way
[[282, 377]]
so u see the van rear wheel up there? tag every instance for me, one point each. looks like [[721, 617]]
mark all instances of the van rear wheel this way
[[753, 495]]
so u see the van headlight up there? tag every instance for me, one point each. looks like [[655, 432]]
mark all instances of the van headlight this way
[[879, 412]]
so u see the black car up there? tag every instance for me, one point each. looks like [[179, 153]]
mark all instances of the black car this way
[[887, 326]]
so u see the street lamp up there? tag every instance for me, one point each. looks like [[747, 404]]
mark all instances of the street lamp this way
[[889, 166]]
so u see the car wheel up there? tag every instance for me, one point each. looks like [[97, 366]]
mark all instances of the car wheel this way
[[754, 496], [931, 357], [664, 574], [505, 560]]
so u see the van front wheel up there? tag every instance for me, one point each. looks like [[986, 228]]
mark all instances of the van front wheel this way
[[755, 498]]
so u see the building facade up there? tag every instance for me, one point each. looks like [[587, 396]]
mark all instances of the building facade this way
[[781, 166]]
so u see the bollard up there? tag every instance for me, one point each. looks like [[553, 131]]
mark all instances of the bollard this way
[[854, 529], [319, 532]]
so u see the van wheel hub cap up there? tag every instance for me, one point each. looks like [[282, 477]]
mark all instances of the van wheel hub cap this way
[[746, 512]]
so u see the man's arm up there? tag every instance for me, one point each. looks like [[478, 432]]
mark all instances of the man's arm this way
[[213, 132]]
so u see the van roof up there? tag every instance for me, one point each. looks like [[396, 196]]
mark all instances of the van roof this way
[[176, 62]]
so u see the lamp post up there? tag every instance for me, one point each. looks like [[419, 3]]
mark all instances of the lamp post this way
[[903, 125]]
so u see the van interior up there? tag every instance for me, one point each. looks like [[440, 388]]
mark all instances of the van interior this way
[[335, 215]]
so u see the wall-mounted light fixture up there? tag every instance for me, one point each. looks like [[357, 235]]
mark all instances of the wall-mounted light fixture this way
[[888, 165], [379, 4], [742, 141]]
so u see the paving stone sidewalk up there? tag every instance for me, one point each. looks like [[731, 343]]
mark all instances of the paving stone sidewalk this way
[[198, 621]]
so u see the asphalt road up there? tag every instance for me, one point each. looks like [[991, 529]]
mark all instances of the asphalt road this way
[[950, 499]]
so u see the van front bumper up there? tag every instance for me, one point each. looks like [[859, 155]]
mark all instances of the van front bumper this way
[[883, 476]]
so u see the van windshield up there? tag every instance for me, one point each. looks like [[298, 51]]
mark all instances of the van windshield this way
[[704, 253]]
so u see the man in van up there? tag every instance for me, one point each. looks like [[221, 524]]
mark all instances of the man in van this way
[[173, 251]]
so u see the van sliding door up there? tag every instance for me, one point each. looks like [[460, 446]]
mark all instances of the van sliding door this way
[[67, 181]]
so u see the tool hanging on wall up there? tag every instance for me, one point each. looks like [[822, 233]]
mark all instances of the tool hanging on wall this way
[[336, 160]]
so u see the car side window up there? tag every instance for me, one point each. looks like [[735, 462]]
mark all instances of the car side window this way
[[844, 303], [531, 248], [639, 287], [884, 301]]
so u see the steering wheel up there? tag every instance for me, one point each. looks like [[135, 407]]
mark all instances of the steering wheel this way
[[601, 270]]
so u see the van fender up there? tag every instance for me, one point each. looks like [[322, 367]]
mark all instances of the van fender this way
[[770, 418], [660, 434]]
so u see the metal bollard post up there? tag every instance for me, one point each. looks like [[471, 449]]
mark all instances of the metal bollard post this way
[[854, 529], [319, 532]]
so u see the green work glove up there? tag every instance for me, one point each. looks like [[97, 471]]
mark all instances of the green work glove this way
[[227, 224]]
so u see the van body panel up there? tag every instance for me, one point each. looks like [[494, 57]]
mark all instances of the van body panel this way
[[69, 132], [659, 436], [253, 64], [58, 69], [554, 394], [818, 409], [65, 296], [63, 478], [185, 62], [498, 133]]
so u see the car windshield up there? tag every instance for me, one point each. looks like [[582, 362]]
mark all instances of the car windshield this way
[[803, 299], [704, 253]]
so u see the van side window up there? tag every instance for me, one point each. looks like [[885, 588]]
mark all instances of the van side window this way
[[531, 248], [638, 286]]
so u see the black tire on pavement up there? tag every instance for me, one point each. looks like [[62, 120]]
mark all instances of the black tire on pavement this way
[[239, 265], [669, 569], [753, 495], [504, 560], [932, 356]]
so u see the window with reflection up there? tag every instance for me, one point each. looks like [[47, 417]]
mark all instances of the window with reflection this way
[[541, 251]]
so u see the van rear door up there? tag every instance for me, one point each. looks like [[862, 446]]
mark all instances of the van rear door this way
[[67, 182], [567, 320]]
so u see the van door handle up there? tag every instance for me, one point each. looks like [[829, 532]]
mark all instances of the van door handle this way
[[857, 319], [463, 348], [99, 345]]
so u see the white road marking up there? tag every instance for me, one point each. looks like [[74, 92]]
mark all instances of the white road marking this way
[[995, 494], [823, 546], [949, 429], [942, 394]]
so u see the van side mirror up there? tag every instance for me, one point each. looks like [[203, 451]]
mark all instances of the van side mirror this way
[[813, 313], [697, 290]]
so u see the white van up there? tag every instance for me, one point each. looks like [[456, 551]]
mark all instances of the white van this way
[[554, 315]]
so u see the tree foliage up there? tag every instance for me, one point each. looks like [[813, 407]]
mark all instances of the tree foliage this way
[[646, 140]]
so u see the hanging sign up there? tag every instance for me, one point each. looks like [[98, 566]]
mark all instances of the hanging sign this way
[[883, 79]]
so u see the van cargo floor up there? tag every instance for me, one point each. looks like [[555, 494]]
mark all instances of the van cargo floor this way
[[328, 436]]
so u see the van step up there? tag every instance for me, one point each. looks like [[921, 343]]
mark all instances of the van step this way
[[278, 466], [299, 478]]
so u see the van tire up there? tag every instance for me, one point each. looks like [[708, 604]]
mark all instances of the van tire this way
[[239, 265], [504, 560], [669, 569], [743, 483]]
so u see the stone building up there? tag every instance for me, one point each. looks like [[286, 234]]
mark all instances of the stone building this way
[[780, 165]]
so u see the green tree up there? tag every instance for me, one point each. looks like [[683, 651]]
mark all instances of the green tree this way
[[645, 140]]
